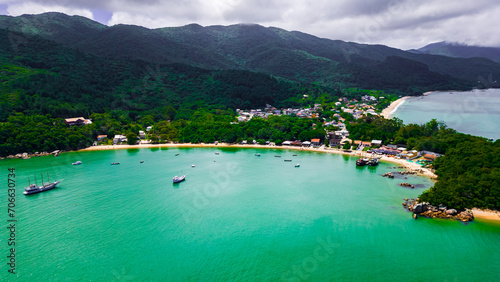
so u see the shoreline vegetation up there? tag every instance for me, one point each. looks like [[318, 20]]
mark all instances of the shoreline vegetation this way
[[478, 213]]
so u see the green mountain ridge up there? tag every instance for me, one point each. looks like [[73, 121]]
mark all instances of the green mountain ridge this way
[[458, 50], [292, 55], [39, 76]]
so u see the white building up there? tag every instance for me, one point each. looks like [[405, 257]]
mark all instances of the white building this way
[[119, 138]]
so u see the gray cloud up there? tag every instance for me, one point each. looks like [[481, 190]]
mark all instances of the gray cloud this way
[[403, 24]]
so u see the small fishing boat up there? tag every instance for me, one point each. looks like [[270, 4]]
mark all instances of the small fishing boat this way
[[115, 163], [178, 179], [277, 156], [294, 155], [287, 160], [297, 165], [192, 165], [373, 162], [142, 162], [177, 154], [77, 163], [258, 154], [361, 162], [216, 153]]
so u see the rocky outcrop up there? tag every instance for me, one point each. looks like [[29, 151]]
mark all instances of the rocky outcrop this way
[[430, 211], [388, 175], [26, 156], [406, 184]]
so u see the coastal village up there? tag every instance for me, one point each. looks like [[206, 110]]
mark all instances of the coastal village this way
[[337, 135]]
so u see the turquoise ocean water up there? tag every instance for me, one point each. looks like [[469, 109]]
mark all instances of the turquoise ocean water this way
[[237, 217], [476, 112]]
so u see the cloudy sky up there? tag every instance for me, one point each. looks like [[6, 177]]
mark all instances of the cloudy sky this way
[[403, 24]]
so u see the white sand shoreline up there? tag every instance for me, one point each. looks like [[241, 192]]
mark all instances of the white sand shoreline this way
[[392, 108], [486, 214]]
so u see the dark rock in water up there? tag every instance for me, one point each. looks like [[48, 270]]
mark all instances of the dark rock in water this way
[[451, 211], [420, 208], [406, 184], [388, 175]]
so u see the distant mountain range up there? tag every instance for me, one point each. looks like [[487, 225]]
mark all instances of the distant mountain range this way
[[291, 55], [458, 50]]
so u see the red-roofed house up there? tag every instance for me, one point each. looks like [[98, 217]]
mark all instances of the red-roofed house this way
[[315, 141], [430, 157]]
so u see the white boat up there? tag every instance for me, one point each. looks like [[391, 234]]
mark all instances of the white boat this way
[[192, 165], [258, 154], [77, 163], [178, 179], [34, 188], [297, 165]]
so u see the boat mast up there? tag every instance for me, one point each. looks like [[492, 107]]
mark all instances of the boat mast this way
[[42, 178], [48, 179], [35, 181]]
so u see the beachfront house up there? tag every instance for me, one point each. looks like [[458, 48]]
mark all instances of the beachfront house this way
[[334, 139], [366, 143], [315, 142], [119, 138], [376, 143]]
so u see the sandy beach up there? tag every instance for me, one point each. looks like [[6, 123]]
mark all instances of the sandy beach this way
[[409, 165], [485, 214], [389, 111]]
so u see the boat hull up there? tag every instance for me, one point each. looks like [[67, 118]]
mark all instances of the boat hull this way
[[41, 189], [179, 179]]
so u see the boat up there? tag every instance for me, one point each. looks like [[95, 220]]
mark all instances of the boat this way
[[287, 160], [77, 163], [115, 163], [178, 179], [192, 165], [142, 162], [258, 154], [294, 155], [297, 165], [361, 162], [373, 162], [277, 156], [216, 153], [177, 154], [34, 188]]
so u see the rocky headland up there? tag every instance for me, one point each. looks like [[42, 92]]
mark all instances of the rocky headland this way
[[26, 156], [430, 211]]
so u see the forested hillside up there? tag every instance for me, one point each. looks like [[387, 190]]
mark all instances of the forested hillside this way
[[291, 55], [43, 77]]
